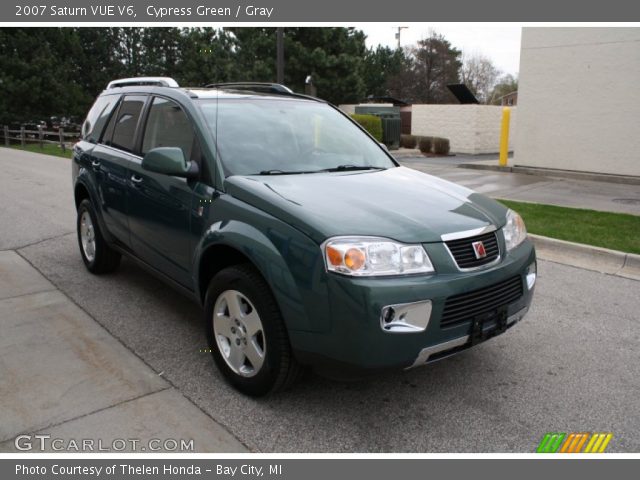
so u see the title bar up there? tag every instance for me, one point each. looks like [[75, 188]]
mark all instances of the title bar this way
[[337, 11]]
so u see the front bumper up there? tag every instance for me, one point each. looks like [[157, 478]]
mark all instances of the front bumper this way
[[357, 342], [450, 347]]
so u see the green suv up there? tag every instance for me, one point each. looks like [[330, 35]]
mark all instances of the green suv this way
[[304, 241]]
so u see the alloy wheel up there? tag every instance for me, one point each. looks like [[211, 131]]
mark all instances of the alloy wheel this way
[[87, 236], [239, 333]]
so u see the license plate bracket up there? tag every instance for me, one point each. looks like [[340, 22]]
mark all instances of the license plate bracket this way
[[487, 325]]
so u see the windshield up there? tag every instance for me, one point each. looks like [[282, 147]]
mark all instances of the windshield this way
[[278, 136]]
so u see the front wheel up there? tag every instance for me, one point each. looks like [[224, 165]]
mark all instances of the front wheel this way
[[246, 332]]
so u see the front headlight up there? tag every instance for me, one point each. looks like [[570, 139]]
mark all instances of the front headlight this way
[[514, 231], [370, 256]]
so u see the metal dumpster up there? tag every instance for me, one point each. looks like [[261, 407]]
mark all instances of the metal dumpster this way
[[391, 122]]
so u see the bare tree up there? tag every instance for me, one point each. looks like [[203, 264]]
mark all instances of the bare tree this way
[[432, 64], [479, 74], [505, 84]]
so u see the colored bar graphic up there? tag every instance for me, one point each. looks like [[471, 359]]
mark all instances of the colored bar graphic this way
[[550, 442], [598, 443], [606, 441], [568, 445], [555, 443], [574, 442], [543, 443], [590, 444], [581, 443]]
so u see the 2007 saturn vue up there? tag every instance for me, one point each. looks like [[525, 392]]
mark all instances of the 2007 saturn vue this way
[[304, 240]]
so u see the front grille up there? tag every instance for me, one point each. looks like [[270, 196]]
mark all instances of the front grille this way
[[465, 306], [464, 254]]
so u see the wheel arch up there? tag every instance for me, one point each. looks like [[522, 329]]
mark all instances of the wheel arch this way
[[214, 259], [80, 192], [236, 243]]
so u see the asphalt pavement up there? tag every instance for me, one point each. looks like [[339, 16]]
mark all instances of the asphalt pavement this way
[[573, 364]]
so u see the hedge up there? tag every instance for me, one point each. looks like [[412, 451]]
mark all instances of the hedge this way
[[408, 141], [441, 146], [370, 123], [424, 144]]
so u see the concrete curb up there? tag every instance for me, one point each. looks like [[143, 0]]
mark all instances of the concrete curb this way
[[416, 153], [405, 152], [603, 260], [548, 172]]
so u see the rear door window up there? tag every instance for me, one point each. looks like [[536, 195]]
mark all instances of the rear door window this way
[[124, 123]]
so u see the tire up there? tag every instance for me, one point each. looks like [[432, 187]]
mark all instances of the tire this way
[[97, 256], [240, 291]]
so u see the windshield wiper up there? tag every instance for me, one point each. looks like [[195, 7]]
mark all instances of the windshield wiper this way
[[339, 168], [345, 168], [282, 172]]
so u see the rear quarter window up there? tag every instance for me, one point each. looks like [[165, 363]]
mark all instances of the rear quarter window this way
[[122, 126], [97, 117]]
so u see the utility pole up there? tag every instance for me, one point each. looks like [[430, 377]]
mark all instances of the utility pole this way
[[398, 35], [280, 55]]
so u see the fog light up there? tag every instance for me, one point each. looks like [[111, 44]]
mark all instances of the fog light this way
[[531, 275], [406, 317]]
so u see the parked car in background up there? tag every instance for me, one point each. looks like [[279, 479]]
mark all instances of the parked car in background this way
[[304, 241]]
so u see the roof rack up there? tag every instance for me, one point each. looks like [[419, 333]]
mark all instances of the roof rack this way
[[136, 81], [253, 86]]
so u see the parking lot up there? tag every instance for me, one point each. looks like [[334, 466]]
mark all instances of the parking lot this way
[[573, 364]]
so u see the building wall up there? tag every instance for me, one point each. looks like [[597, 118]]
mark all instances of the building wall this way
[[348, 108], [471, 129], [579, 100], [510, 99]]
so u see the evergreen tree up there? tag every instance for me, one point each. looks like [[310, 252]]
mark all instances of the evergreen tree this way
[[382, 69]]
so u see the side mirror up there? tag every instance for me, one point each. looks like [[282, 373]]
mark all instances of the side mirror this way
[[384, 147], [169, 161]]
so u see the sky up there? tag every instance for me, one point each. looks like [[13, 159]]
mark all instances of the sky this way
[[500, 43]]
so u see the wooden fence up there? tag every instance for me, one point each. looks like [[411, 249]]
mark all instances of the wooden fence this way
[[40, 136]]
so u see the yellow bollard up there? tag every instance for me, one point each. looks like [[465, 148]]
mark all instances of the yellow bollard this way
[[504, 136]]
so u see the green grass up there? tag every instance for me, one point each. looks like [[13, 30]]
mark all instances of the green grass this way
[[47, 149], [617, 231]]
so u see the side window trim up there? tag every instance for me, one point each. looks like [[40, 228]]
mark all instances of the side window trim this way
[[90, 132], [136, 134], [105, 131], [144, 119], [146, 114]]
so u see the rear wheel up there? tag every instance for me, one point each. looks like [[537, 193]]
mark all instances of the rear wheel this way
[[98, 257], [246, 332]]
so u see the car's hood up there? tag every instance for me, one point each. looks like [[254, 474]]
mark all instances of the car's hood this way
[[398, 203]]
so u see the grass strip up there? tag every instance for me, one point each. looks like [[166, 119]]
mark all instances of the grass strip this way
[[617, 231], [47, 149]]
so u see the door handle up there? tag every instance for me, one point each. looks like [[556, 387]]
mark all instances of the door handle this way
[[95, 163], [136, 179]]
